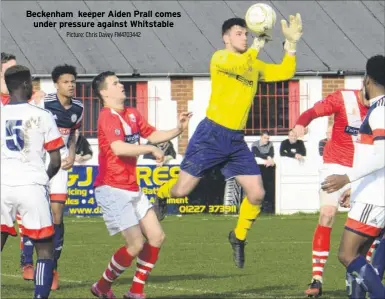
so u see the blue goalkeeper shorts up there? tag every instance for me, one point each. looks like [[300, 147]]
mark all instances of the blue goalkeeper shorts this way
[[213, 145]]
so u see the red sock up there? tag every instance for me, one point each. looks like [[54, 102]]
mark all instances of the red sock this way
[[119, 262], [371, 250], [145, 262], [321, 248]]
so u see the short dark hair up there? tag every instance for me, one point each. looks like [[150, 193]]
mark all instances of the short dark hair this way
[[5, 57], [99, 82], [16, 76], [61, 70], [233, 22], [375, 69], [265, 132]]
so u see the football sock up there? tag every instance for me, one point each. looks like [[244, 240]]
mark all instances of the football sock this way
[[321, 248], [119, 262], [366, 276], [43, 277], [58, 241], [28, 250], [371, 250], [247, 215], [378, 260], [145, 263]]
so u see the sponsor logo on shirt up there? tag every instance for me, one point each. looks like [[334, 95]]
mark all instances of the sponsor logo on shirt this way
[[351, 130], [132, 139]]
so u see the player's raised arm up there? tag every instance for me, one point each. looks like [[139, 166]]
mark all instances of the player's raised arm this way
[[286, 69], [160, 136], [325, 107]]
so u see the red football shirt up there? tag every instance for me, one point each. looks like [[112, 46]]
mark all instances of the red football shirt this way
[[114, 171], [349, 113], [5, 99]]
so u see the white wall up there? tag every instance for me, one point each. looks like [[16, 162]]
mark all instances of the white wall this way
[[353, 82], [162, 110], [201, 93], [47, 85]]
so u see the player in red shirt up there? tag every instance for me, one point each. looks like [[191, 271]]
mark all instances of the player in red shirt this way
[[348, 110], [7, 60], [126, 209]]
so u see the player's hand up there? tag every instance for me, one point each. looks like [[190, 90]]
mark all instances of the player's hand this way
[[299, 131], [334, 183], [184, 119], [293, 32], [258, 43], [67, 162], [298, 156], [38, 96], [345, 198], [158, 154]]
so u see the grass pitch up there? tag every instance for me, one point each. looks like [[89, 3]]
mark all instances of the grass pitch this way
[[195, 262]]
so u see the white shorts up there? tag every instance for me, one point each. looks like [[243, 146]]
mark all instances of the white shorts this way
[[366, 219], [58, 186], [121, 208], [332, 199], [31, 202]]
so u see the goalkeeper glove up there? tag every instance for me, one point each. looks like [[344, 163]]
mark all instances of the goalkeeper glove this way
[[292, 33], [259, 41]]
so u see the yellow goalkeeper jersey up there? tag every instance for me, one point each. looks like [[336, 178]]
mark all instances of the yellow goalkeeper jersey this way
[[234, 79]]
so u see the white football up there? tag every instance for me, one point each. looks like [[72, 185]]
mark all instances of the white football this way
[[260, 18]]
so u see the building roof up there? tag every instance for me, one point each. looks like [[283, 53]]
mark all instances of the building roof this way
[[338, 35]]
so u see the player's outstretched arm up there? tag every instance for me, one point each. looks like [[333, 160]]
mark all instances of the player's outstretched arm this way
[[286, 69], [160, 136], [292, 33], [326, 107], [123, 149]]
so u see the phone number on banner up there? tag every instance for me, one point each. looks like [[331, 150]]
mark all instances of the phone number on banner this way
[[190, 209]]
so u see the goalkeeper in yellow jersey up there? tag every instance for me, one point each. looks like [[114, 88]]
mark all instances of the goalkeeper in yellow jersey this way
[[219, 138]]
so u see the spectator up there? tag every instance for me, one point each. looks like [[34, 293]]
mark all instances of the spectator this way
[[167, 148], [83, 148], [264, 149], [322, 142], [293, 148]]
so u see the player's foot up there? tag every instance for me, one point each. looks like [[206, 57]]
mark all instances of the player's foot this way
[[314, 289], [130, 295], [160, 207], [28, 272], [238, 249], [98, 293], [55, 281]]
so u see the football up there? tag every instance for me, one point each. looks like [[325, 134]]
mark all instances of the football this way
[[260, 18]]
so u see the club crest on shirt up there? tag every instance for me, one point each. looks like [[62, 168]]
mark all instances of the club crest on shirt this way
[[74, 118], [132, 117], [117, 132]]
